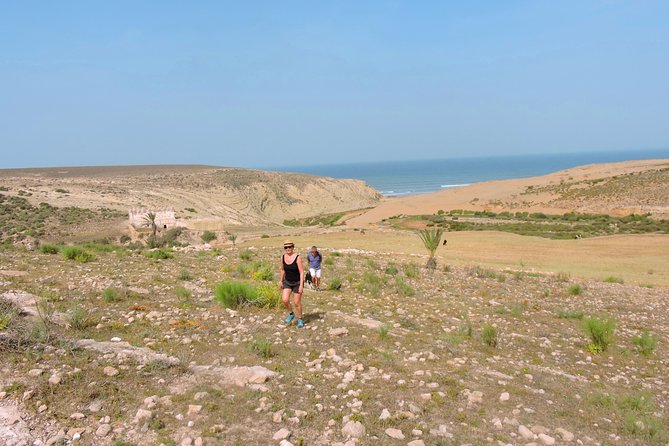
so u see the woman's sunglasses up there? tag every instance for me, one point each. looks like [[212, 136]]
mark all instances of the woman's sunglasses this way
[[288, 247]]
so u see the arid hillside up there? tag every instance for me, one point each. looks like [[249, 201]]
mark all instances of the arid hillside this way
[[196, 193]]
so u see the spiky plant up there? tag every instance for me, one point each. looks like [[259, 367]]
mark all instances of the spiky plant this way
[[150, 220], [232, 238], [431, 239]]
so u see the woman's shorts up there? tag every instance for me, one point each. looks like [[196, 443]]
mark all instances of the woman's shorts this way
[[315, 272], [295, 286]]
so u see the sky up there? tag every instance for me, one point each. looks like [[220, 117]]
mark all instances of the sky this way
[[256, 84]]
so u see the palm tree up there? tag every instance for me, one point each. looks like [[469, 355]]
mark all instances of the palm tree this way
[[232, 238], [150, 220], [431, 239]]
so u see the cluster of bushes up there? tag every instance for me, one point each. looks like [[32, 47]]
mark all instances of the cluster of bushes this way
[[566, 226], [320, 220], [168, 239]]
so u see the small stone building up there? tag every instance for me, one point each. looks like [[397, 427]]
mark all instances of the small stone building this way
[[165, 218]]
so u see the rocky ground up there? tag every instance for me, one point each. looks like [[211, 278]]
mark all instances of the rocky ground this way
[[397, 356]]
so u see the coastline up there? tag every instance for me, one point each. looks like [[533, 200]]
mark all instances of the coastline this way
[[510, 194]]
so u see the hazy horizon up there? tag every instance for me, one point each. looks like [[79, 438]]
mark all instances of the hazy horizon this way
[[266, 84]]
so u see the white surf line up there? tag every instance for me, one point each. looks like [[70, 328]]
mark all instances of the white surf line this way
[[448, 186]]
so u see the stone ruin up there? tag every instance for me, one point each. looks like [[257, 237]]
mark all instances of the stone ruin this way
[[165, 218]]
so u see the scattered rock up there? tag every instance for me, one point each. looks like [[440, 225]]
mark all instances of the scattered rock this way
[[282, 434], [103, 430], [395, 433], [110, 371], [353, 429]]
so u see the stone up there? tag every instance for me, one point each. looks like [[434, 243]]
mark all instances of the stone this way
[[285, 443], [353, 429], [110, 371], [416, 443], [525, 432], [103, 430], [54, 379], [194, 409], [565, 434], [77, 416], [142, 415], [282, 434], [340, 331], [546, 440], [35, 372], [385, 414], [395, 433], [504, 396], [475, 397]]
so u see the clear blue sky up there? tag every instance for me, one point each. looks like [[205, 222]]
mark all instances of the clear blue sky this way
[[287, 82]]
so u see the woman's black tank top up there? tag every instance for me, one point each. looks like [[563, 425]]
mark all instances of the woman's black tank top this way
[[291, 269]]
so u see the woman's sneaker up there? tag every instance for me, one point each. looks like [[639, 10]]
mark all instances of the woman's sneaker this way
[[300, 323], [289, 318]]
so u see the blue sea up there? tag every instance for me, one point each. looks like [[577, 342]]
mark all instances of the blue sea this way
[[417, 177]]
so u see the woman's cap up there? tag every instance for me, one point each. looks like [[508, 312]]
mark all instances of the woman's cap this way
[[288, 243]]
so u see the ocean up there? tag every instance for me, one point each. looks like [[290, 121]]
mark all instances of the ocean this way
[[393, 178]]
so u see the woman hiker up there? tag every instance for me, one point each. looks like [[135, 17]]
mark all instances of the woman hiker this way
[[315, 259], [292, 281]]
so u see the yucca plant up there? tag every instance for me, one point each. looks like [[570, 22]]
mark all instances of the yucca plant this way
[[431, 239], [150, 220]]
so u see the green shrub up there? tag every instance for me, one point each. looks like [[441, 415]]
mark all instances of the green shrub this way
[[411, 270], [328, 261], [391, 269], [245, 255], [383, 331], [158, 254], [336, 254], [370, 283], [335, 284], [403, 288], [600, 332], [264, 236], [489, 336], [645, 343], [185, 275], [613, 279], [49, 249], [78, 319], [78, 254], [264, 272], [465, 328], [268, 296], [208, 236], [262, 347], [234, 294], [111, 295], [575, 290], [182, 293]]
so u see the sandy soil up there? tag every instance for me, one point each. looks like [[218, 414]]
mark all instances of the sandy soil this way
[[555, 193]]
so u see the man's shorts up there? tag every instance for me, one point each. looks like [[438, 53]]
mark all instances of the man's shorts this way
[[295, 286], [315, 272]]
